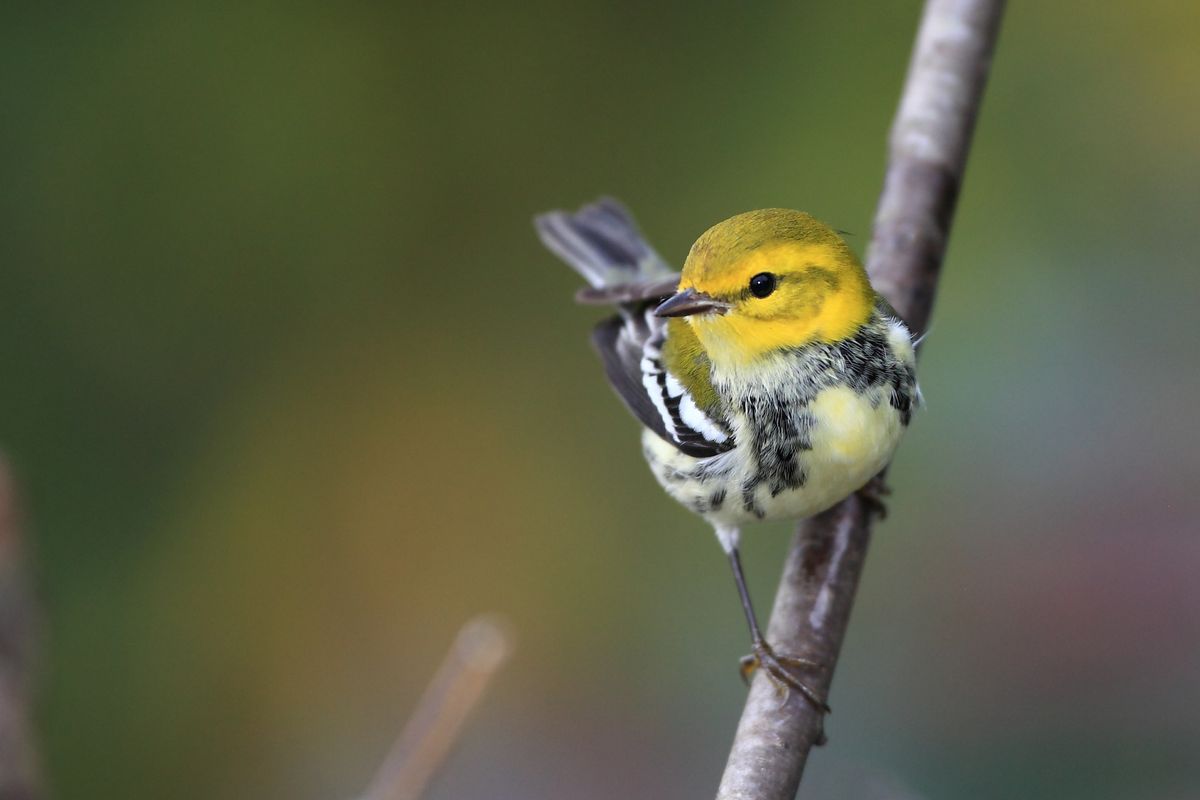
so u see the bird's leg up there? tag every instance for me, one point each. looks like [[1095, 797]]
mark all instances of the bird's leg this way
[[872, 496], [780, 668]]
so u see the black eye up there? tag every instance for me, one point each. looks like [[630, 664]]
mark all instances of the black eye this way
[[762, 284]]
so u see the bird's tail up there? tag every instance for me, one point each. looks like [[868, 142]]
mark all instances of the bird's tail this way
[[603, 244]]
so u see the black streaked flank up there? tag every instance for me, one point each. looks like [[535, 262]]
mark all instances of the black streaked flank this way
[[717, 500]]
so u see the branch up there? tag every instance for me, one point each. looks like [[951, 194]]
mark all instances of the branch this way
[[927, 156], [18, 755], [481, 648]]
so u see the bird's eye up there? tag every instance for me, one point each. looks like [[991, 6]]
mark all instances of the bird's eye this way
[[762, 284]]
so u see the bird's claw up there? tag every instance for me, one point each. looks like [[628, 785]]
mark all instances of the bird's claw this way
[[872, 496], [781, 669]]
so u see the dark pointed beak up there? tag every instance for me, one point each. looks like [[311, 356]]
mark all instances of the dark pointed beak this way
[[689, 302]]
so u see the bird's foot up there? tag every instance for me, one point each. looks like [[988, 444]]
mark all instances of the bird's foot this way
[[872, 496], [782, 672]]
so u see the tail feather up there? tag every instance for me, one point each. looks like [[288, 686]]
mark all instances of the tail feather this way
[[602, 243]]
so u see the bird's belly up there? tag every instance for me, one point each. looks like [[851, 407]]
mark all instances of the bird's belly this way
[[852, 438]]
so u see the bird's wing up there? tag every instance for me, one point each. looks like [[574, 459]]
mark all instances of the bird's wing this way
[[602, 243], [630, 346]]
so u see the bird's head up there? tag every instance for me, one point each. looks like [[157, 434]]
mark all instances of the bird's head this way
[[766, 281]]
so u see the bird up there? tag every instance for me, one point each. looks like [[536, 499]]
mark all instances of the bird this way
[[770, 379]]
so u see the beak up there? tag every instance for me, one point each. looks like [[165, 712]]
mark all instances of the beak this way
[[689, 302]]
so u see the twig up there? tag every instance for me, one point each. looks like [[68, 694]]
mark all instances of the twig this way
[[480, 648], [18, 755], [927, 156]]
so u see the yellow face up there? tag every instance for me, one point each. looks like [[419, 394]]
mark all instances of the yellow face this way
[[770, 280]]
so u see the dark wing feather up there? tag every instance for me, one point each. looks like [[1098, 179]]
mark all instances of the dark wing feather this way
[[602, 243], [622, 357], [621, 342], [654, 292]]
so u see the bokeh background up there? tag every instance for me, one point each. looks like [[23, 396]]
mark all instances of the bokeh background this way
[[293, 392]]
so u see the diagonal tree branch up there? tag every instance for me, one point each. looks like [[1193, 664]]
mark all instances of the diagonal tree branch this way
[[927, 156]]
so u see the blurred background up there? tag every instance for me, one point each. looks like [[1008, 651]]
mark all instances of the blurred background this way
[[292, 392]]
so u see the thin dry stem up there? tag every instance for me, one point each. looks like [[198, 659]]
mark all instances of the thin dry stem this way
[[479, 650]]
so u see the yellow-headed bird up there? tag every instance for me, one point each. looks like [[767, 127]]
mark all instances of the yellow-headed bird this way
[[771, 379]]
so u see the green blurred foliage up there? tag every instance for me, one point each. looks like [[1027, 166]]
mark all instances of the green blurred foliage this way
[[294, 392]]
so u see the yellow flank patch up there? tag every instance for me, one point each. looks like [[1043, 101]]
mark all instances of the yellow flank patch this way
[[850, 430]]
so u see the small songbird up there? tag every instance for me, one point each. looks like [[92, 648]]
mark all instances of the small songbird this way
[[771, 378]]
